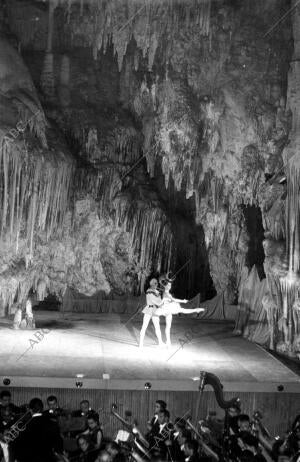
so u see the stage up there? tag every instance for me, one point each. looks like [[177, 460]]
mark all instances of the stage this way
[[101, 352]]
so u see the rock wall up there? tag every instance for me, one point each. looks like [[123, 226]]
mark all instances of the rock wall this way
[[66, 223]]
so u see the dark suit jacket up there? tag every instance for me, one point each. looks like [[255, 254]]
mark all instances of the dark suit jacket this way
[[155, 425], [176, 453], [38, 441]]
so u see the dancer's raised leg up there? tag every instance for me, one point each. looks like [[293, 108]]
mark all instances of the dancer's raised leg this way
[[146, 321], [156, 323], [191, 310]]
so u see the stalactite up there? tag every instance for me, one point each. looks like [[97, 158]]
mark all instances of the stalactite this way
[[146, 23], [64, 81], [69, 10], [34, 191], [288, 290], [13, 198], [47, 76], [152, 238], [152, 49], [293, 213], [6, 178], [274, 220]]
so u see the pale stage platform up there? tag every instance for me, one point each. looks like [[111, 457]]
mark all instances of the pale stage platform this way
[[101, 352]]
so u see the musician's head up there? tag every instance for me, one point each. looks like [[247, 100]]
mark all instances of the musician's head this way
[[244, 423], [153, 283], [163, 416], [5, 398], [104, 456], [83, 443], [92, 420], [112, 448], [7, 411], [85, 406], [179, 424], [184, 436], [52, 402], [36, 406], [234, 410], [191, 448], [160, 405]]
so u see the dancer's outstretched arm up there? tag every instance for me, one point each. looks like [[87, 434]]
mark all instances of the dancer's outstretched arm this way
[[178, 300]]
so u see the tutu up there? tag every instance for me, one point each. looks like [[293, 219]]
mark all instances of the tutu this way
[[168, 308]]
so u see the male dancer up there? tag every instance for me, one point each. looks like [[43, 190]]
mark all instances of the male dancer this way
[[153, 302]]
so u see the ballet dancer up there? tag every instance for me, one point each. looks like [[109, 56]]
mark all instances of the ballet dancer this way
[[170, 307], [154, 301]]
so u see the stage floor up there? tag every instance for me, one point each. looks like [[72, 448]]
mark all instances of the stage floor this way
[[103, 349]]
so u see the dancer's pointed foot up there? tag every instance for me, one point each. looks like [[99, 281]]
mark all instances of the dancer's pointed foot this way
[[198, 311], [169, 345]]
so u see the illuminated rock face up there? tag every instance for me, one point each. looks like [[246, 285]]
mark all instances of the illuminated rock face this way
[[200, 89], [64, 225]]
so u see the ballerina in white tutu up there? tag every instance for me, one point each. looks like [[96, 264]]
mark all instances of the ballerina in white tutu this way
[[170, 307]]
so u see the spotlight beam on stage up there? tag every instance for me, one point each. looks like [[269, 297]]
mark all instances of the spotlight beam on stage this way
[[116, 340]]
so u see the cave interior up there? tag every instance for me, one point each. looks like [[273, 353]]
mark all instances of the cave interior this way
[[147, 138]]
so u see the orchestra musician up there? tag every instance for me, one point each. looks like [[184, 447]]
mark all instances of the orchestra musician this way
[[153, 425]]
